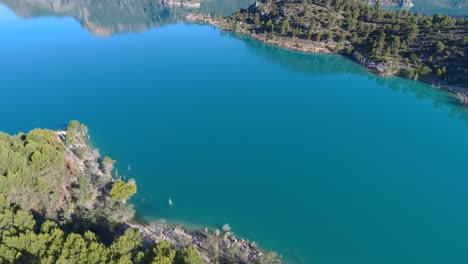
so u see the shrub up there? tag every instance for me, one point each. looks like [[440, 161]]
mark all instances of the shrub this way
[[121, 190], [190, 255]]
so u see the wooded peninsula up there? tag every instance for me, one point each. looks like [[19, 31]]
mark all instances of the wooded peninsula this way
[[388, 42], [59, 203]]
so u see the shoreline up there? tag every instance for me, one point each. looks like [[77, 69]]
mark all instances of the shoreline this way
[[314, 47], [89, 218], [214, 245]]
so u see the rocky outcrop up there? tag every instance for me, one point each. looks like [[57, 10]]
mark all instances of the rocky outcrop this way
[[380, 68], [405, 3], [401, 3], [214, 246], [181, 3]]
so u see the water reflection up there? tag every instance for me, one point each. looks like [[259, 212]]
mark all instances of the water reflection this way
[[299, 61], [104, 17], [108, 17], [424, 92], [327, 64], [223, 7]]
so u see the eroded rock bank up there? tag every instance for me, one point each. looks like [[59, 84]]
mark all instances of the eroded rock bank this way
[[400, 3], [215, 246]]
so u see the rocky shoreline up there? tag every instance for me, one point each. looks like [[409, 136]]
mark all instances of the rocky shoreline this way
[[181, 3], [303, 45], [283, 42], [400, 3], [215, 246]]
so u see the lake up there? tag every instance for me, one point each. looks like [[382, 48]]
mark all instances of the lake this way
[[308, 155]]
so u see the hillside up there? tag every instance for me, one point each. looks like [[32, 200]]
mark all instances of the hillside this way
[[427, 48]]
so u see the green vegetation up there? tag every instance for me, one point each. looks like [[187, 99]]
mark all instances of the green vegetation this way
[[164, 253], [57, 176], [60, 204], [190, 255], [430, 48], [107, 164], [25, 240], [76, 132], [121, 190]]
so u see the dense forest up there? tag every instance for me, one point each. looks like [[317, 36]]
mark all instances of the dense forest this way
[[60, 204], [23, 239], [58, 176], [411, 45]]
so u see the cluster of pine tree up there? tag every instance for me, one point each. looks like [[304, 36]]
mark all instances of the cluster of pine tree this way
[[61, 178], [413, 44], [24, 240]]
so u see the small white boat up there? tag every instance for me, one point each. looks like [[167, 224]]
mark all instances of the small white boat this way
[[170, 202]]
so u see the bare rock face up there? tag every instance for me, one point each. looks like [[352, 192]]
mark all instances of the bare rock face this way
[[406, 3], [261, 7], [213, 246], [380, 68], [181, 3], [401, 3]]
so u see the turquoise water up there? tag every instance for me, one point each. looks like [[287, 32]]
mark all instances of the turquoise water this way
[[308, 155]]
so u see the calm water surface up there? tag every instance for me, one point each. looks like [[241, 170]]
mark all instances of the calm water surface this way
[[309, 155]]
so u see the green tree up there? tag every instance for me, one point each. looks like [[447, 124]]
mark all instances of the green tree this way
[[107, 164], [396, 44], [425, 70], [190, 255], [164, 253], [354, 37], [285, 26], [338, 46], [318, 36], [269, 26], [121, 190], [342, 36], [309, 33], [257, 20], [439, 47], [75, 131], [128, 246]]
